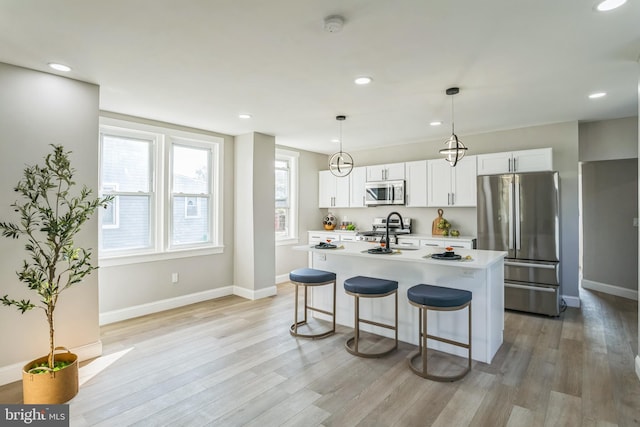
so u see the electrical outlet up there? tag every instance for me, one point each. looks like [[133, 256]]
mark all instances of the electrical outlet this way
[[174, 277]]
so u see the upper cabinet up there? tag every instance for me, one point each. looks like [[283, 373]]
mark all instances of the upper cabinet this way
[[358, 178], [333, 191], [385, 172], [451, 186], [539, 159], [416, 188]]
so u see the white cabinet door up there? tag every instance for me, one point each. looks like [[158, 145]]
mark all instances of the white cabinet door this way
[[395, 171], [416, 189], [320, 236], [538, 159], [464, 187], [533, 160], [358, 178], [376, 173], [494, 163], [343, 190], [408, 242], [454, 243], [431, 243], [391, 171], [333, 191], [439, 183]]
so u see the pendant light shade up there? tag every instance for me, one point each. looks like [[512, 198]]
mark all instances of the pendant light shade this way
[[454, 149], [341, 163]]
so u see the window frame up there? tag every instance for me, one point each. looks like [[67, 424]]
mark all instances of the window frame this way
[[161, 204], [293, 158]]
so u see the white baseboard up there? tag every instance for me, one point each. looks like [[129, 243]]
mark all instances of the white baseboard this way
[[167, 304], [254, 295], [282, 278], [13, 373], [610, 289], [571, 301]]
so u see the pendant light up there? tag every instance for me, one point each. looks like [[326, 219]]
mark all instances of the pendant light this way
[[454, 149], [341, 163]]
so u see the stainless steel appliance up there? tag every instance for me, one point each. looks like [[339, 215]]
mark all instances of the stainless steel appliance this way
[[379, 229], [519, 214], [384, 193]]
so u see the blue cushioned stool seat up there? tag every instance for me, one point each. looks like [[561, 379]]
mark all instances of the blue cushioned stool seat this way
[[437, 296], [439, 299], [370, 285], [311, 278], [311, 275]]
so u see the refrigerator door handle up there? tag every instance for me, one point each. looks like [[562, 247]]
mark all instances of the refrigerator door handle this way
[[530, 265], [511, 214], [516, 219], [529, 288]]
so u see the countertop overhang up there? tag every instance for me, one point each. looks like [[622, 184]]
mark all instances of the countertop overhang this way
[[480, 259]]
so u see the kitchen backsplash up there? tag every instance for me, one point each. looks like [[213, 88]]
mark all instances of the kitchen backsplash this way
[[462, 219]]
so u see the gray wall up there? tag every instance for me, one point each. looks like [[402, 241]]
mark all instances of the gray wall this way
[[609, 139], [563, 137], [38, 109], [610, 241]]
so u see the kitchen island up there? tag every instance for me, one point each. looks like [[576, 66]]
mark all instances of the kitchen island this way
[[482, 274]]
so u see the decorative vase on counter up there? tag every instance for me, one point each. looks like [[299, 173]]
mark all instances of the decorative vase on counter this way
[[329, 221]]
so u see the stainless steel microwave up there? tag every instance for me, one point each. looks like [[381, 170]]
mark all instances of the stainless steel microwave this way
[[384, 193]]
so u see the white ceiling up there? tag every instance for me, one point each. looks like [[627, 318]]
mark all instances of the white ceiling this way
[[201, 62]]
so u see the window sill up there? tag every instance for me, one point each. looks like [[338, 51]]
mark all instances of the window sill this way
[[116, 260]]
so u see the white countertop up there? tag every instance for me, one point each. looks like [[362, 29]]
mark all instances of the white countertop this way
[[480, 259]]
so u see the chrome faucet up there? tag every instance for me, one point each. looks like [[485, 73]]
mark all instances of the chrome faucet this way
[[388, 246]]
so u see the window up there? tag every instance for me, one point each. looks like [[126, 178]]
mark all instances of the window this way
[[286, 207], [165, 185]]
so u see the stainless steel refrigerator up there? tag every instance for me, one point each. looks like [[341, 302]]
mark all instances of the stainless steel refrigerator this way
[[519, 213]]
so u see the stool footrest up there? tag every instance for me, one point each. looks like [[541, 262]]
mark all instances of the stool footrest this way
[[441, 378], [350, 346], [295, 326], [448, 341], [382, 325]]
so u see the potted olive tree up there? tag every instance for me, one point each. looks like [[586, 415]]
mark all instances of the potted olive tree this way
[[51, 211]]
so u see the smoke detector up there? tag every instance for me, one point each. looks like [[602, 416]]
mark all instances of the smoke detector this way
[[333, 23]]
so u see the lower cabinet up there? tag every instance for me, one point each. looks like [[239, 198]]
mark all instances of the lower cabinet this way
[[458, 242]]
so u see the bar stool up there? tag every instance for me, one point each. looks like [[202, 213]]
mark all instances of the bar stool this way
[[436, 298], [370, 287], [309, 277]]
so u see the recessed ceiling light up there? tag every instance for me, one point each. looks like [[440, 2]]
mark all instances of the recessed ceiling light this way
[[436, 123], [336, 140], [606, 5], [597, 95], [244, 116], [364, 80], [59, 67]]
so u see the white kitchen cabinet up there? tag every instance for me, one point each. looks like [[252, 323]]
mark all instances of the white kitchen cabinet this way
[[322, 236], [408, 242], [388, 172], [539, 159], [443, 242], [416, 185], [358, 178], [451, 186], [333, 191]]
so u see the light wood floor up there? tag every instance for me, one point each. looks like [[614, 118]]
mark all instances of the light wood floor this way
[[232, 362]]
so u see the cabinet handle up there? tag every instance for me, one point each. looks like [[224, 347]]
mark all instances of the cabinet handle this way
[[514, 165], [453, 199], [509, 165]]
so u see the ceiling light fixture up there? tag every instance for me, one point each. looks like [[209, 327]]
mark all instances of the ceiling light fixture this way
[[59, 67], [597, 95], [606, 5], [244, 116], [341, 163], [436, 123], [364, 80], [455, 149]]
